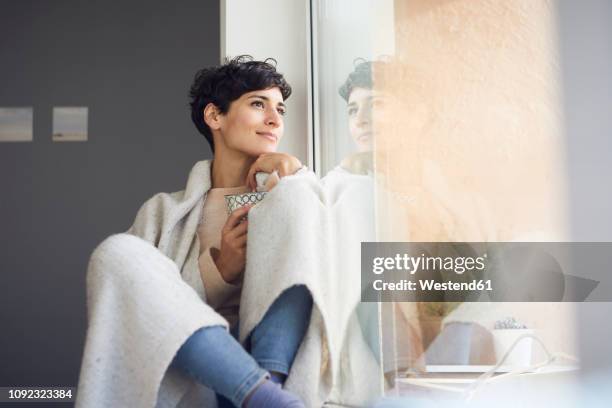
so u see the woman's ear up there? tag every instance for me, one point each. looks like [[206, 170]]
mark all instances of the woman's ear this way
[[212, 116]]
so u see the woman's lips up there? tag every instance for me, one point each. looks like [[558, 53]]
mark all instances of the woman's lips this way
[[270, 136], [364, 137]]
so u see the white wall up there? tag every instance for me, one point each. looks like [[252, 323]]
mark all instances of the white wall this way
[[277, 29]]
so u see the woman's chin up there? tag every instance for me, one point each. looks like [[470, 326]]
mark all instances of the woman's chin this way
[[364, 146], [264, 149]]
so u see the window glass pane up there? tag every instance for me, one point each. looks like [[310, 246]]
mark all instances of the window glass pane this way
[[453, 110]]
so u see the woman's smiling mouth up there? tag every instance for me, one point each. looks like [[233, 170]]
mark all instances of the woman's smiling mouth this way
[[364, 137], [268, 135]]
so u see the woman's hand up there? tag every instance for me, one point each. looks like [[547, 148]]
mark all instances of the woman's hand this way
[[231, 258], [284, 164]]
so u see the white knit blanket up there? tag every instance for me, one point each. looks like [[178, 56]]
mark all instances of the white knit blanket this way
[[145, 296]]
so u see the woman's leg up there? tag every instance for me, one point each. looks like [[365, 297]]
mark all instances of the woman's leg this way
[[215, 359], [275, 340]]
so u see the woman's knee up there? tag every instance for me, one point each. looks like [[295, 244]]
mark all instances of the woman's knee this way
[[291, 310], [122, 256], [298, 297], [117, 244]]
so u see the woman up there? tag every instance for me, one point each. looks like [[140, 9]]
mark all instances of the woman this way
[[239, 108]]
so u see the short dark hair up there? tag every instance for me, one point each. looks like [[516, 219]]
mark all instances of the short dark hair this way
[[223, 84], [361, 77]]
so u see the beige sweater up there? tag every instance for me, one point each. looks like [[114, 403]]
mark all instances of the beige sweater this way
[[222, 296]]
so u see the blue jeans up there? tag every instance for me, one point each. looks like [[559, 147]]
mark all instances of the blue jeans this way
[[215, 359]]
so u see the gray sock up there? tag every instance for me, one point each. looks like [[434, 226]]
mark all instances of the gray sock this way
[[270, 395]]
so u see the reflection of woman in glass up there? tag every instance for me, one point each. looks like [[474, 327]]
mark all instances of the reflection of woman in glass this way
[[362, 100], [239, 108]]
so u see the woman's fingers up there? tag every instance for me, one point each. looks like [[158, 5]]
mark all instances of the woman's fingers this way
[[238, 230], [284, 164], [272, 181], [257, 166], [241, 241], [250, 180], [282, 169], [235, 217], [264, 163]]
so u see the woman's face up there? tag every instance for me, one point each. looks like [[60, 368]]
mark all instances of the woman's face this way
[[253, 123], [361, 104]]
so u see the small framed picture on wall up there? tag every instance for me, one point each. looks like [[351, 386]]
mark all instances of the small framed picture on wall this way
[[70, 124], [16, 124]]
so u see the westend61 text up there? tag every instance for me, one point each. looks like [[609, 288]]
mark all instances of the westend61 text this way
[[430, 284]]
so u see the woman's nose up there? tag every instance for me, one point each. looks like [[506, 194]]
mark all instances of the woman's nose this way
[[273, 118], [364, 116]]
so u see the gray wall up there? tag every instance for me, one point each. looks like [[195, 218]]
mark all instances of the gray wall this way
[[131, 63]]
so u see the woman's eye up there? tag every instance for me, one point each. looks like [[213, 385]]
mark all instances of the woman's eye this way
[[281, 111], [352, 111], [378, 103], [258, 104]]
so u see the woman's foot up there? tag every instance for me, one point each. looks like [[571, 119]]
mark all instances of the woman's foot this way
[[270, 395]]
